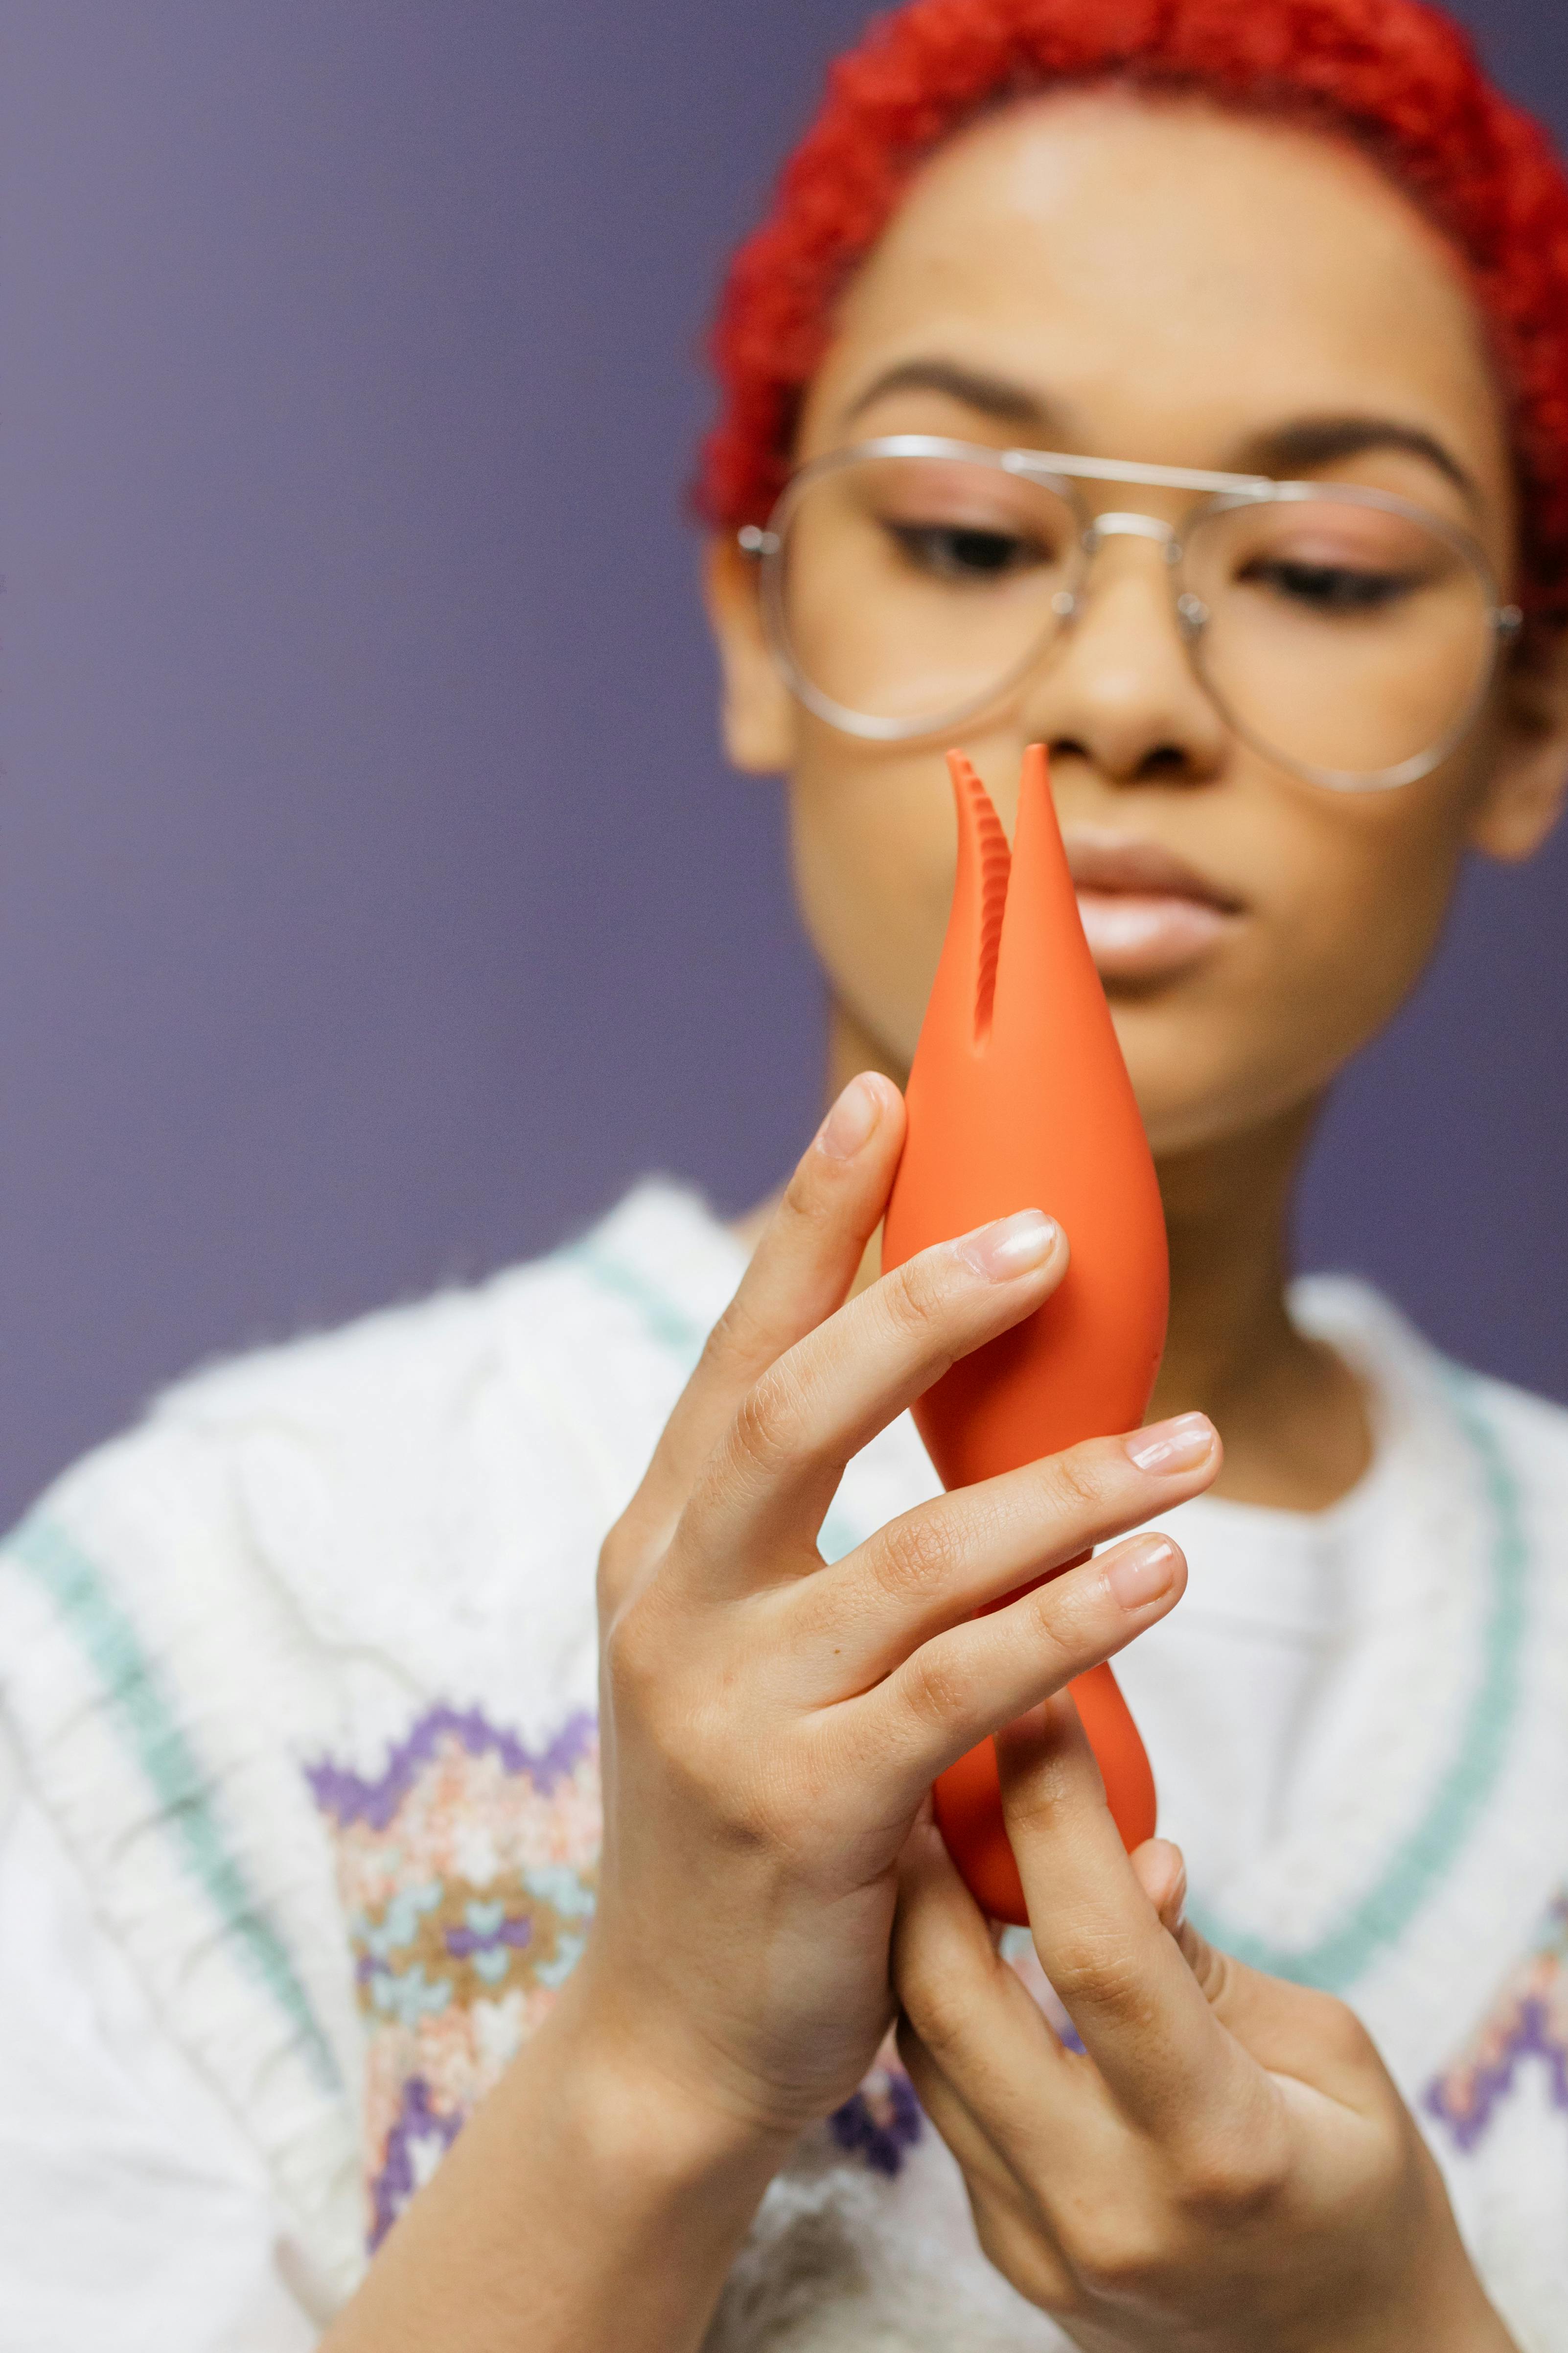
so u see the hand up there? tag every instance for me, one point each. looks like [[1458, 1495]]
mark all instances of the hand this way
[[1226, 2165], [772, 1725]]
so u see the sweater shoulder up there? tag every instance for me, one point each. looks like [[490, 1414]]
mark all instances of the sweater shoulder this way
[[407, 1475], [406, 1368], [1522, 1438]]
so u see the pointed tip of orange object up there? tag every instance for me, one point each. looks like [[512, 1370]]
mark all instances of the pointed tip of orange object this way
[[1019, 1098]]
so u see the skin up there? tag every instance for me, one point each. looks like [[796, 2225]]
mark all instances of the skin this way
[[1227, 2165]]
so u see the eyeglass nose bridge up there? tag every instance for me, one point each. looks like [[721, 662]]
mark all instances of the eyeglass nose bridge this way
[[1067, 602], [1131, 526]]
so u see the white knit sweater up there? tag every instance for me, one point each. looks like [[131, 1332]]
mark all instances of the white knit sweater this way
[[300, 1831]]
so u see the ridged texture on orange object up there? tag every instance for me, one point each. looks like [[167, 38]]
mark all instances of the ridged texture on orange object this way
[[1019, 1098], [996, 860]]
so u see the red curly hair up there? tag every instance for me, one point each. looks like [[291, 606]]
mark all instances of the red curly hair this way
[[1395, 76]]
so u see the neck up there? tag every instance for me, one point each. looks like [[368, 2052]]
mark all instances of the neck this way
[[1290, 1412], [1289, 1408]]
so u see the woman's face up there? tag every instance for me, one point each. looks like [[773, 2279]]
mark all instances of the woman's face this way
[[1170, 285]]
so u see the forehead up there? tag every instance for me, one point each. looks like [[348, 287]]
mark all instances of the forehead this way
[[1173, 279]]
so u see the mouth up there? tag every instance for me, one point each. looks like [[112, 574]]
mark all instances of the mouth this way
[[1147, 914]]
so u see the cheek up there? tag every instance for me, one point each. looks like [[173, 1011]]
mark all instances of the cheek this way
[[1360, 916], [873, 854], [1341, 933]]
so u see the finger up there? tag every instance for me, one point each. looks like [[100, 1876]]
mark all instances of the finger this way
[[1160, 1871], [1012, 2221], [768, 1484], [801, 1270], [986, 2168], [1289, 2030], [954, 1990], [1011, 2217], [988, 2067], [971, 1680], [936, 1566], [1121, 1977]]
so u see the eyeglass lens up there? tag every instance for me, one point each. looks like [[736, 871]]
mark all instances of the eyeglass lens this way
[[1341, 639]]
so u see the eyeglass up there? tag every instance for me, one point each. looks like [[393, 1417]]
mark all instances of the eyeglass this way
[[910, 582]]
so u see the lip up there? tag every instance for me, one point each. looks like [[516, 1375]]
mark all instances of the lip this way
[[1147, 913]]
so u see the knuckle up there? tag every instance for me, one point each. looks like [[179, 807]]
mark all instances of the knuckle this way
[[816, 1213], [767, 1429], [1226, 2180], [746, 1816], [935, 2006], [619, 1559], [914, 1554], [775, 1806], [1021, 2254], [1342, 2034], [631, 1651], [804, 1198], [1077, 1481], [1099, 1970], [1048, 1614], [935, 1687], [1214, 1972], [918, 1296], [1118, 2249], [739, 1339], [690, 1722]]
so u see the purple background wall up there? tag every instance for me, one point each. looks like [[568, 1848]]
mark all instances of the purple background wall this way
[[373, 902]]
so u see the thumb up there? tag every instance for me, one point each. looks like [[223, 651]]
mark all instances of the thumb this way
[[1161, 1870], [1288, 2028], [1240, 1998]]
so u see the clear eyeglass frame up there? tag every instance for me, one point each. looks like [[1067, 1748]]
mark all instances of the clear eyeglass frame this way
[[1060, 472]]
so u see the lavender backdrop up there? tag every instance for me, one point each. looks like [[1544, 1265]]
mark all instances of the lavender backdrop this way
[[374, 904]]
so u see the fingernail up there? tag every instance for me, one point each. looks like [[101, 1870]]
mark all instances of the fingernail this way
[[848, 1127], [1143, 1572], [1011, 1247], [1170, 1446]]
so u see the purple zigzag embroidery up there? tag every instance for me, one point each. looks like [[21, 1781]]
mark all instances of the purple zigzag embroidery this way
[[348, 1797], [1529, 2037], [856, 2129], [464, 1943], [395, 2184]]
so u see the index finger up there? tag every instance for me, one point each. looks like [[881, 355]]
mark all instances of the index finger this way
[[801, 1273], [1119, 1974]]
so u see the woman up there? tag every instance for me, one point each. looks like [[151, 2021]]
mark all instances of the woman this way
[[304, 1672]]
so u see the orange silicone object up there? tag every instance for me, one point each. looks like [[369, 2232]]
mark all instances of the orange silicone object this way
[[1019, 1098]]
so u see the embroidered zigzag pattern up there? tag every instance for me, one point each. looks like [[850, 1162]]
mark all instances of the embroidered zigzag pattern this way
[[1527, 2026], [467, 1870]]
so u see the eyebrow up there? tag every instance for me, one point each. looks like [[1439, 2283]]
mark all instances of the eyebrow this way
[[995, 397], [1283, 452], [1315, 441]]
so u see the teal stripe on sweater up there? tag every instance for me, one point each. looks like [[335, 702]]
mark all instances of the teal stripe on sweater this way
[[134, 1692], [1335, 1960]]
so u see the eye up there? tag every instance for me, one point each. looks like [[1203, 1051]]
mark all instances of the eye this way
[[950, 551], [1330, 588]]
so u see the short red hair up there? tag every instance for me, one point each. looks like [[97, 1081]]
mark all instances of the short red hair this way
[[1396, 77]]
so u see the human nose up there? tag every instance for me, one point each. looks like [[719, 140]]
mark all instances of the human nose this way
[[1119, 690]]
